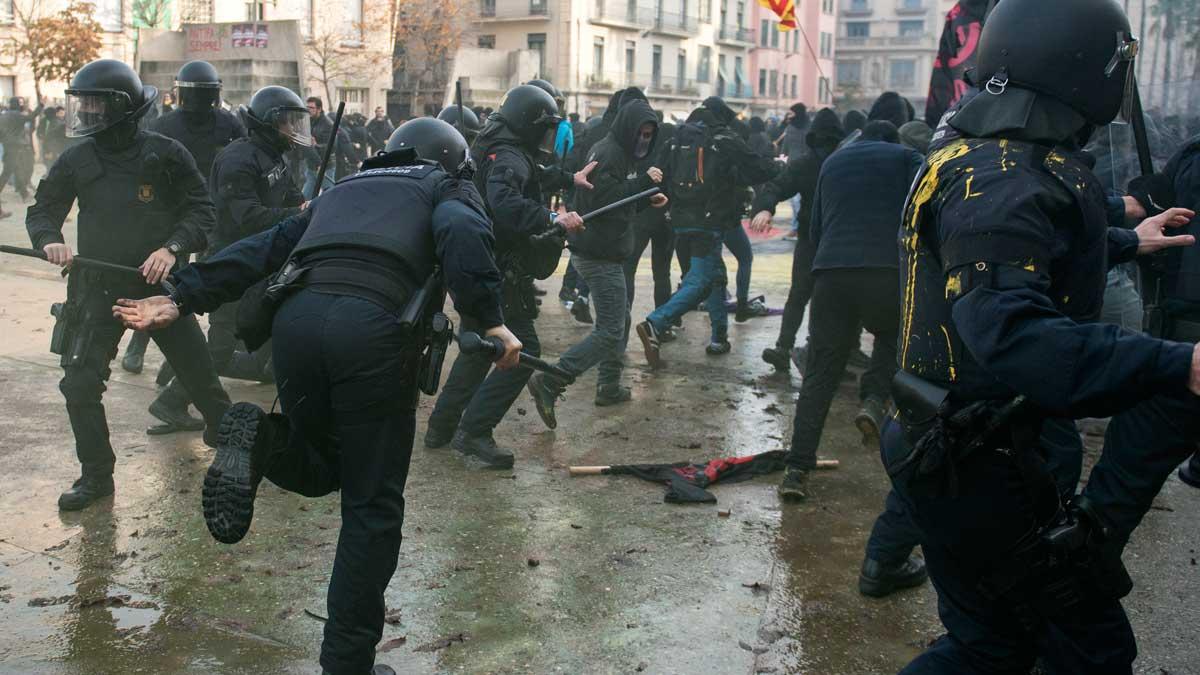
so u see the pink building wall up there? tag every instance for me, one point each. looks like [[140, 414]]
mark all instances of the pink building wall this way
[[794, 56]]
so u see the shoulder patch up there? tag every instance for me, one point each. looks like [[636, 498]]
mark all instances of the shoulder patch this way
[[407, 171]]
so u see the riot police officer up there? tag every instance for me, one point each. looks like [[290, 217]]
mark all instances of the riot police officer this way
[[142, 202], [204, 128], [16, 132], [1004, 250], [349, 408], [252, 190], [463, 119], [473, 402]]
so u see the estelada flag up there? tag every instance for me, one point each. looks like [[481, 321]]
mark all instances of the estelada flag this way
[[785, 10], [686, 482]]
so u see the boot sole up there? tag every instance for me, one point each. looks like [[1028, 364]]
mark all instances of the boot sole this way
[[652, 356], [230, 484], [868, 429], [548, 419], [877, 588], [1189, 477]]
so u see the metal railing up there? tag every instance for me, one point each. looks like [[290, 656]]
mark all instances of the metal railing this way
[[642, 16], [859, 7], [512, 9], [735, 34], [882, 41]]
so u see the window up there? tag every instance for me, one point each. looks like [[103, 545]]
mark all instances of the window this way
[[537, 7], [762, 82], [353, 22], [705, 11], [824, 92], [773, 88], [487, 7], [537, 44], [774, 36], [254, 11], [827, 6], [656, 66], [902, 73], [721, 78], [739, 87], [8, 86], [741, 13], [849, 72], [762, 32], [859, 5], [826, 45], [110, 15], [913, 28], [6, 16], [487, 41], [912, 4], [356, 99], [858, 29], [630, 57], [598, 55], [704, 64], [309, 11], [795, 90], [681, 69]]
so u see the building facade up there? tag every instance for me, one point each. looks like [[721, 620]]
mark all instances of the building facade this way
[[794, 66]]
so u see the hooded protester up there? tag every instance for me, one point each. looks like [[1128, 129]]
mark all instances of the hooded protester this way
[[891, 107], [799, 179], [916, 135], [759, 142], [793, 142], [652, 229], [853, 121], [599, 252]]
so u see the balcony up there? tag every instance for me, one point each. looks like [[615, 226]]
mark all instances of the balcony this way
[[861, 7], [735, 36], [912, 6], [513, 10], [626, 14], [670, 86], [882, 42]]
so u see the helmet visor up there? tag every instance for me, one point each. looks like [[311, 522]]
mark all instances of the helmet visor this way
[[195, 96], [295, 126], [550, 124], [89, 113]]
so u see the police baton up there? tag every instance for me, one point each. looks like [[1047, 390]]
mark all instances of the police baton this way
[[337, 123], [557, 231], [83, 263], [493, 348]]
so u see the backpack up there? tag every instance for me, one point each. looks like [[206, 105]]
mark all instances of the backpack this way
[[692, 169]]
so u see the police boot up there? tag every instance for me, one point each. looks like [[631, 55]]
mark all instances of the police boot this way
[[750, 310], [794, 485], [244, 441], [174, 419], [135, 353], [85, 491], [582, 311], [869, 420], [1190, 472], [483, 448], [878, 580], [778, 358], [436, 439], [546, 390], [612, 394]]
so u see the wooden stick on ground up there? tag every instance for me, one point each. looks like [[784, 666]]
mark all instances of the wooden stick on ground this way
[[822, 464]]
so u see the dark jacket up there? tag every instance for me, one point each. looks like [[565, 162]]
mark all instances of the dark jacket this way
[[577, 159], [252, 189], [800, 176], [204, 134], [380, 130], [132, 201], [858, 204], [617, 175], [507, 178]]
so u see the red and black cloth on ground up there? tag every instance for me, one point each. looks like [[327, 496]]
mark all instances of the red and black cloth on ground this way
[[686, 482]]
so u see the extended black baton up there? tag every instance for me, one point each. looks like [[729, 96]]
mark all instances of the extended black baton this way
[[83, 263], [333, 138], [558, 231], [472, 343]]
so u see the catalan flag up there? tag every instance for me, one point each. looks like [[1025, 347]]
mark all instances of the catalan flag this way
[[785, 10]]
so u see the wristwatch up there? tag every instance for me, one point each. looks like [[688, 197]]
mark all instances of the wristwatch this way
[[175, 248]]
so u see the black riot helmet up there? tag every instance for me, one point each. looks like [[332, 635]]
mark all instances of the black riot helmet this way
[[1079, 52], [279, 115], [559, 99], [103, 94], [467, 122], [531, 114], [433, 140], [198, 86]]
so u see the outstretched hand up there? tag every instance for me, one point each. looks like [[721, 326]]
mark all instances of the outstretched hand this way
[[581, 177], [1152, 235], [151, 313], [761, 223]]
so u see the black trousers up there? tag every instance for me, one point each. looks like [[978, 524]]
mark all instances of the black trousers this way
[[843, 300], [799, 293], [652, 229], [228, 360], [92, 348], [18, 167], [476, 397], [347, 388]]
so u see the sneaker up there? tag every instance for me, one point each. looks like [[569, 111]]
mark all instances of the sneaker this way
[[750, 310], [582, 311], [778, 358], [1190, 472], [877, 580], [567, 295], [793, 487], [86, 491], [668, 335], [858, 360], [436, 438], [612, 395], [869, 421], [546, 391], [650, 344], [716, 348], [231, 483], [174, 420], [483, 448]]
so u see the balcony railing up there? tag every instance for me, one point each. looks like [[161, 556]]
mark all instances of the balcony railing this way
[[881, 41], [662, 84], [859, 8], [735, 34], [625, 13], [491, 10], [911, 6]]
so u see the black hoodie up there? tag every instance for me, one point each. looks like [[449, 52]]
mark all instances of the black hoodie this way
[[892, 107], [617, 175], [802, 172]]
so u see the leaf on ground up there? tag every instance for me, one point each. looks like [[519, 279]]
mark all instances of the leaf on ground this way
[[392, 617], [392, 644], [442, 643]]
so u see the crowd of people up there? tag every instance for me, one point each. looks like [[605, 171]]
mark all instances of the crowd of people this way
[[982, 256]]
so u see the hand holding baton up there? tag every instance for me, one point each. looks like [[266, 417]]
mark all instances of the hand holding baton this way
[[472, 343], [558, 231], [84, 263]]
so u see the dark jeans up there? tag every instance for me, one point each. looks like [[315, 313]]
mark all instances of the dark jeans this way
[[346, 386], [799, 293], [18, 167], [1142, 446], [605, 345], [571, 279], [706, 278], [475, 397], [226, 357], [738, 243], [966, 536], [843, 300], [95, 342], [653, 230]]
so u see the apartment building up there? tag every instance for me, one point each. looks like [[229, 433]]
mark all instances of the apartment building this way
[[797, 65], [887, 45], [678, 51]]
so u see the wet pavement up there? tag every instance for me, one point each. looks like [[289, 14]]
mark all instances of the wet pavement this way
[[520, 571]]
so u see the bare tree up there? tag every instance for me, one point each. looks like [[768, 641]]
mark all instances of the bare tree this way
[[151, 13], [336, 49], [429, 34]]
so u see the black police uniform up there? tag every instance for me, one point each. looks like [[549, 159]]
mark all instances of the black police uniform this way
[[350, 401], [16, 131], [472, 401], [1145, 444], [204, 133], [252, 190], [132, 201]]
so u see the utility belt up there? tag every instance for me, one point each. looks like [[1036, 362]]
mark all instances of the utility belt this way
[[91, 293], [1064, 560]]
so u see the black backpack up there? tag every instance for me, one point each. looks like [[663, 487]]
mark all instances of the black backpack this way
[[692, 169]]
